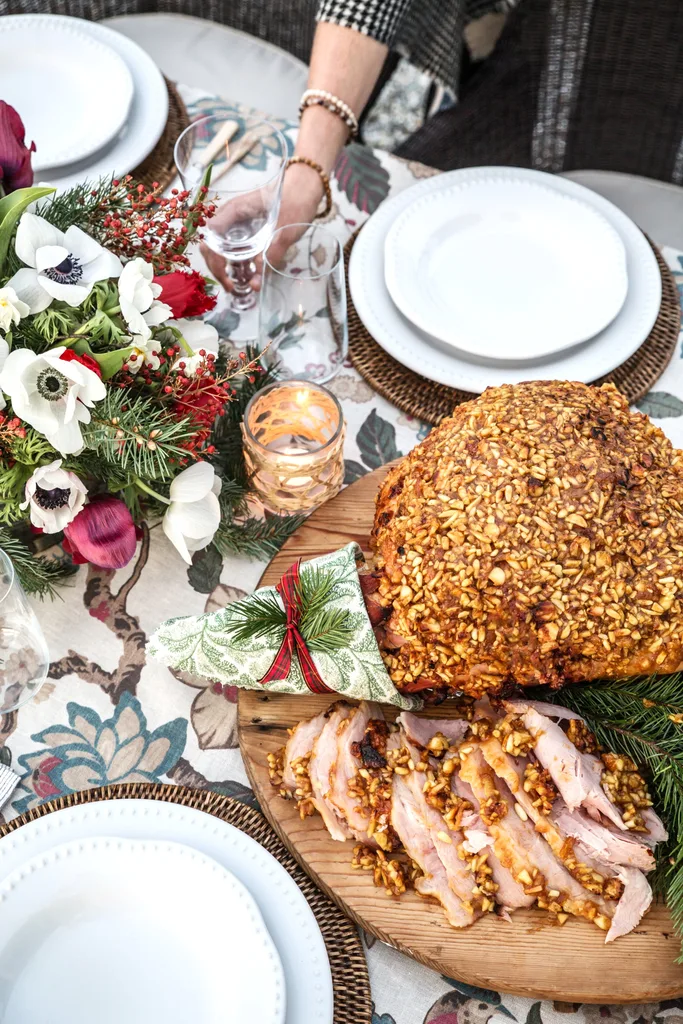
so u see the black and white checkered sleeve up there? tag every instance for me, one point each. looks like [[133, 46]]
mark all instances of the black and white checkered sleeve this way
[[379, 19]]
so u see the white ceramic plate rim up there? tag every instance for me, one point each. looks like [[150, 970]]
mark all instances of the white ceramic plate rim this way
[[84, 863], [424, 354], [405, 244], [284, 908], [147, 116], [81, 140]]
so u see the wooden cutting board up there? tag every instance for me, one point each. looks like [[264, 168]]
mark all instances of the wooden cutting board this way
[[529, 956]]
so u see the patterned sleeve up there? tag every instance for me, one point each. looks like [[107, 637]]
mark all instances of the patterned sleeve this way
[[378, 19]]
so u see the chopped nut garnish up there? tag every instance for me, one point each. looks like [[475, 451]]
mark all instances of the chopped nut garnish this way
[[513, 735], [581, 736], [393, 875], [626, 788], [540, 787], [493, 809]]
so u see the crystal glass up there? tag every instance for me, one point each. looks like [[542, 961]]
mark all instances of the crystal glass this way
[[294, 446], [303, 304], [24, 657], [248, 158]]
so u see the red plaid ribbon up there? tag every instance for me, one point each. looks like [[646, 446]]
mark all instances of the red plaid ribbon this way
[[288, 589]]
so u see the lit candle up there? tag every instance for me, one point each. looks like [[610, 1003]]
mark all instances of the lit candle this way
[[294, 446]]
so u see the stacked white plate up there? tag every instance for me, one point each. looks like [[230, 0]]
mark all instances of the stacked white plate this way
[[141, 910], [92, 100], [494, 275]]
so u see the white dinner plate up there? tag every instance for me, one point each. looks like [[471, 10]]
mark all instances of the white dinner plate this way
[[113, 930], [288, 917], [505, 268], [72, 91], [444, 364], [146, 118]]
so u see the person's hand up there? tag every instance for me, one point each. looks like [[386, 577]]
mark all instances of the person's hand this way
[[301, 195]]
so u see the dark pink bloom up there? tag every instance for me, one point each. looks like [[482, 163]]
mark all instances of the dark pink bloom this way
[[102, 533], [185, 292], [15, 156], [42, 783]]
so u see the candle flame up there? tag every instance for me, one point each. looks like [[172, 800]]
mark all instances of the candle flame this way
[[302, 397], [301, 314]]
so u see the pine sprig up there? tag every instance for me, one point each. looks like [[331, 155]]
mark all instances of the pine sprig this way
[[642, 718], [137, 435], [254, 538], [323, 629], [80, 205], [38, 575]]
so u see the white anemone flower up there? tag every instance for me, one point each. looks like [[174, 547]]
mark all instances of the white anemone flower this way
[[58, 265], [199, 336], [194, 513], [138, 298], [54, 497], [52, 394], [146, 353], [12, 309]]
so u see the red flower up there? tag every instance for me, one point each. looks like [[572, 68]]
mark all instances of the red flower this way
[[69, 355], [43, 785], [185, 293], [15, 157], [102, 533]]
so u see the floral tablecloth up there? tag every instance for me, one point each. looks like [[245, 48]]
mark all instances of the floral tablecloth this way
[[109, 715]]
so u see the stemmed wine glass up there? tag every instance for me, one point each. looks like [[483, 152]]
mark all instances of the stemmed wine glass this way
[[247, 158]]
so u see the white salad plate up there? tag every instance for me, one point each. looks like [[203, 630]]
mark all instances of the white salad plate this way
[[146, 118], [72, 91], [559, 266], [287, 915], [113, 930], [444, 364]]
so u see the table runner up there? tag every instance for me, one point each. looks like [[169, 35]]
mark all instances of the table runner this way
[[108, 715]]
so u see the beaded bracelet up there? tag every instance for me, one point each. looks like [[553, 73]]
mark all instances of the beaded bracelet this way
[[323, 177], [323, 98]]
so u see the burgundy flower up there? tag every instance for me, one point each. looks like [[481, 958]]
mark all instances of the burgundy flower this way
[[15, 156], [102, 533], [185, 293]]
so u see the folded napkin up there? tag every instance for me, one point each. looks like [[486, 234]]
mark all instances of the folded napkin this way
[[215, 645], [9, 781]]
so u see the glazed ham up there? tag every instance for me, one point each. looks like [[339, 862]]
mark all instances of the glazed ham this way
[[511, 807]]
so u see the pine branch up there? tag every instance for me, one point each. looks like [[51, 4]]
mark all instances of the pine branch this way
[[80, 205], [135, 435], [255, 538], [37, 575], [642, 718], [258, 616]]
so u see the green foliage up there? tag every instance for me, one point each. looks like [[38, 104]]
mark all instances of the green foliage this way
[[323, 628], [79, 205], [255, 538], [137, 436], [643, 719], [37, 575], [11, 208]]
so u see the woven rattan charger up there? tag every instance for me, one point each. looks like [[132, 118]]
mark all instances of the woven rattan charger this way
[[432, 402], [350, 981], [159, 166]]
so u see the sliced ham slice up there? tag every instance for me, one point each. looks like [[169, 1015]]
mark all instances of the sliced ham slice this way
[[656, 832], [460, 878], [300, 744], [510, 893], [350, 731], [422, 730], [606, 844], [323, 760], [519, 847], [633, 904], [576, 775], [550, 710], [408, 823]]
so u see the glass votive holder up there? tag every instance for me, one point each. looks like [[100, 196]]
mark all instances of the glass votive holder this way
[[294, 446]]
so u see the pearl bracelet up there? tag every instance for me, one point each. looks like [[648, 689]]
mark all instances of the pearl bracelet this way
[[323, 98]]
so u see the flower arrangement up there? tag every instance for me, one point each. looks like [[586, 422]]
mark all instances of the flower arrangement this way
[[115, 405]]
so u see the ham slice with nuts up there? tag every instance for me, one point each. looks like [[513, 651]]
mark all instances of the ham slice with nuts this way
[[323, 760], [300, 744], [350, 732]]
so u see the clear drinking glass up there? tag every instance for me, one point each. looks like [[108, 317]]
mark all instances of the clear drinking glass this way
[[24, 658], [303, 305], [248, 157]]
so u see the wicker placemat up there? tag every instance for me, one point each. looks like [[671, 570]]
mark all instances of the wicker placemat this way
[[159, 165], [352, 1003], [432, 402]]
